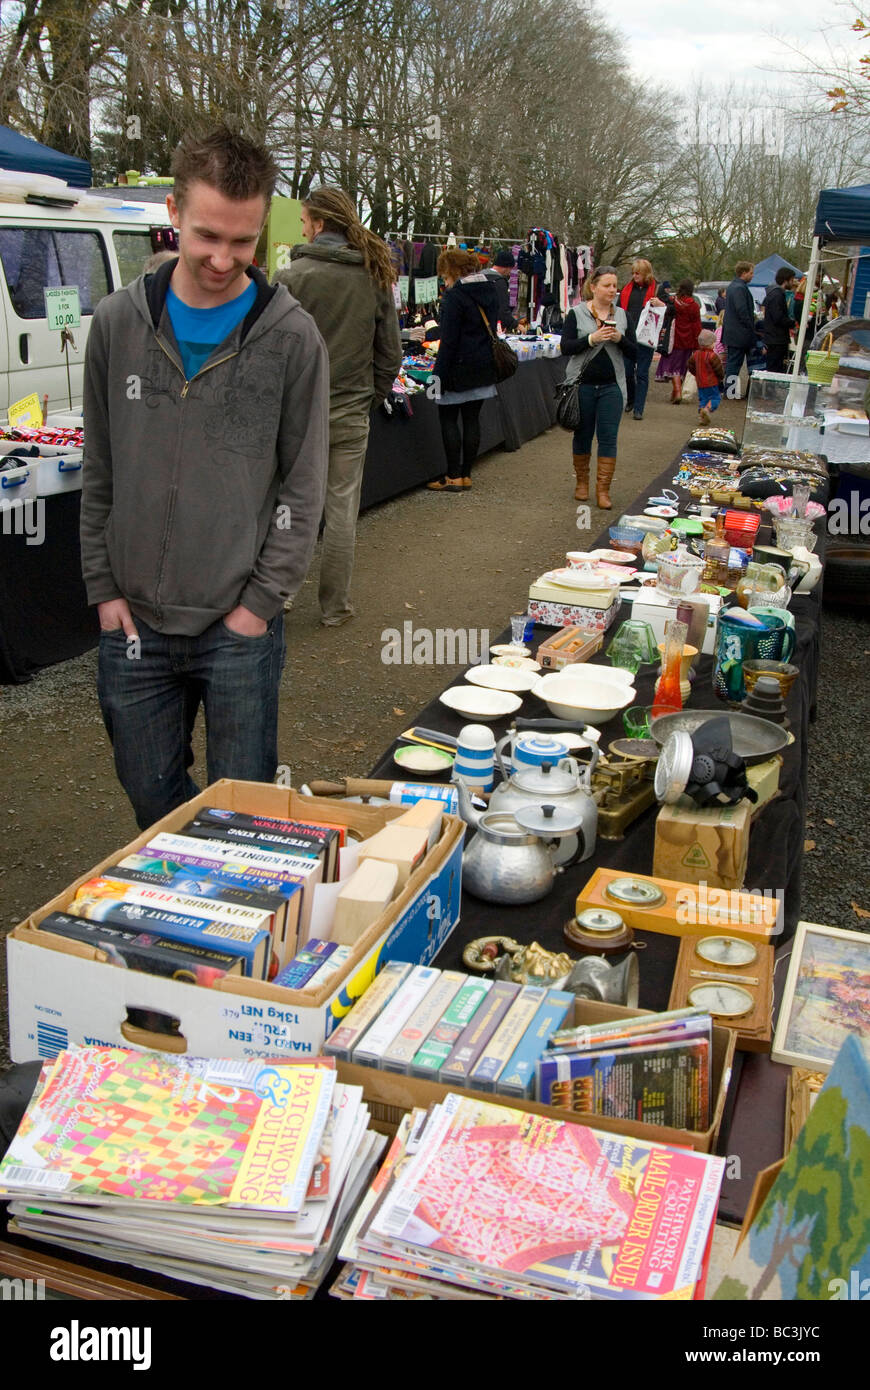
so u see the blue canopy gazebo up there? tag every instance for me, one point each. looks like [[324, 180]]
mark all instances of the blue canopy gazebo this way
[[24, 156]]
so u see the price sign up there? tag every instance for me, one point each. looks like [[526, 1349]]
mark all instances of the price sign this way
[[26, 412], [404, 285], [62, 307], [426, 289]]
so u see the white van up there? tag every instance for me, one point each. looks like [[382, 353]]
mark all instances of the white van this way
[[99, 244]]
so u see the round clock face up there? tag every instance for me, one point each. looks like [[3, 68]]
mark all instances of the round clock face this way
[[726, 1001], [726, 950]]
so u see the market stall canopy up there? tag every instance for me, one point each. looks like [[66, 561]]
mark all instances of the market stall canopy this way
[[765, 271], [843, 214], [24, 156]]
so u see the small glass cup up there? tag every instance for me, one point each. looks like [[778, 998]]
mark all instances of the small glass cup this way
[[518, 627], [635, 721]]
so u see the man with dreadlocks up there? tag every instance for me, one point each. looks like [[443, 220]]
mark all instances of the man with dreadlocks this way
[[343, 277]]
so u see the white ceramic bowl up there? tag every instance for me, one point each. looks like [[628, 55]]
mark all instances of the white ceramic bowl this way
[[502, 678], [510, 649], [474, 702], [584, 697]]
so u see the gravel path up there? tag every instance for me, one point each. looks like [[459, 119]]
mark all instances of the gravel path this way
[[449, 561]]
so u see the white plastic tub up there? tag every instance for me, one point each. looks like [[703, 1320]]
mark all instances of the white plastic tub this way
[[61, 473]]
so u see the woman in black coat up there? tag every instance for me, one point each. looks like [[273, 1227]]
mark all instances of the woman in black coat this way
[[464, 374]]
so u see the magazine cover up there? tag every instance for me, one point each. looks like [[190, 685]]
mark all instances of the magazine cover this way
[[553, 1204], [158, 1128]]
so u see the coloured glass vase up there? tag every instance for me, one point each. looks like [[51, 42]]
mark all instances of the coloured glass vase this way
[[669, 698], [633, 646]]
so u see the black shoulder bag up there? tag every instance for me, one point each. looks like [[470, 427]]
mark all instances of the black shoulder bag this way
[[504, 357]]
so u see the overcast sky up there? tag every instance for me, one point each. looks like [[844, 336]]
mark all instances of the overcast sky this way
[[678, 41]]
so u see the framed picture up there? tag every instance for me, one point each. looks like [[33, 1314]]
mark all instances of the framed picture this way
[[827, 996], [803, 1087]]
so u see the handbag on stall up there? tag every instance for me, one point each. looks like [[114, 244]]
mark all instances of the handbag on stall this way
[[504, 357]]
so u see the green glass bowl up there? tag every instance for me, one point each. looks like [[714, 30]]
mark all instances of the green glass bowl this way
[[688, 525]]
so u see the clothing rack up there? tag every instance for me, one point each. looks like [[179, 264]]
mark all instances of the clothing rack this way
[[460, 236]]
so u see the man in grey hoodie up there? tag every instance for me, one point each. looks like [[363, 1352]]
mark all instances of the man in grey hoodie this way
[[206, 428]]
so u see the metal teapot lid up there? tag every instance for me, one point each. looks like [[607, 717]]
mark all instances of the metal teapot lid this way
[[546, 780], [550, 822]]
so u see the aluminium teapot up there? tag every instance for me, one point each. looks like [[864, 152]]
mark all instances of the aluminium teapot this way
[[560, 784], [507, 861]]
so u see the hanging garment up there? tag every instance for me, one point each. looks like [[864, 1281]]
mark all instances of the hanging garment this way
[[514, 281]]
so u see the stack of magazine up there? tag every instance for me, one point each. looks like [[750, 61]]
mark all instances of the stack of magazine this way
[[477, 1200], [238, 1175]]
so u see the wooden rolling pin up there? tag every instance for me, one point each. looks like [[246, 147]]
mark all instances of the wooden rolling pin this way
[[351, 786]]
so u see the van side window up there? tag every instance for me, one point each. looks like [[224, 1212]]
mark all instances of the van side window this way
[[132, 250], [35, 257]]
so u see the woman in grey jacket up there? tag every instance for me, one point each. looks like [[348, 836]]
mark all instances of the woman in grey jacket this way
[[597, 338], [343, 276]]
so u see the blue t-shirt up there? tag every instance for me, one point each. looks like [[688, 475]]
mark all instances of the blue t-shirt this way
[[198, 331]]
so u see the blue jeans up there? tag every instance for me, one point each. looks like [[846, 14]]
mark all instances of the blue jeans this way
[[600, 411], [734, 359], [709, 398], [149, 700], [637, 377]]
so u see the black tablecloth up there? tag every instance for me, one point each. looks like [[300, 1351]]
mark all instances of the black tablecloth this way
[[775, 862], [405, 453], [44, 616]]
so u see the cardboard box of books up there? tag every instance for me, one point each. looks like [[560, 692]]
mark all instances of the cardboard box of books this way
[[390, 1094], [62, 993]]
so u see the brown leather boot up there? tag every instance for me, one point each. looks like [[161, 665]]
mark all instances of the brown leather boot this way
[[581, 473], [603, 479]]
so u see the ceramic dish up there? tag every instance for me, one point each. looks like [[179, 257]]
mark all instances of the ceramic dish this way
[[502, 678], [578, 558], [509, 649], [417, 761], [474, 702], [660, 511], [518, 663], [582, 698]]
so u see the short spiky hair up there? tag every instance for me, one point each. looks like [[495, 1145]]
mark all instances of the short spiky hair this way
[[237, 167]]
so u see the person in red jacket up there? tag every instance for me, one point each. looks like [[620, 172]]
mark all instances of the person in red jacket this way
[[706, 367], [685, 330], [633, 297]]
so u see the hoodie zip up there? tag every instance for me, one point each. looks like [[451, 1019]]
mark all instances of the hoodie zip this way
[[173, 491]]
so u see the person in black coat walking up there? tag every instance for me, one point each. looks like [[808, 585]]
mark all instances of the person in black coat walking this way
[[498, 274], [738, 326], [464, 374], [778, 323]]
